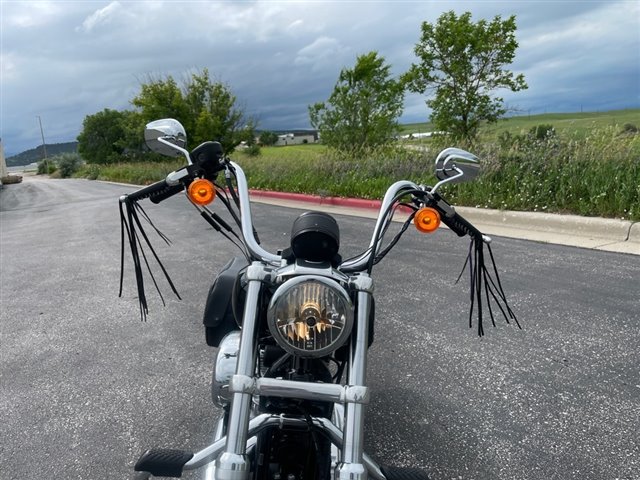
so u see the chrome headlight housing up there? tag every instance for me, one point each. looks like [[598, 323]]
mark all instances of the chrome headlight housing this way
[[310, 316]]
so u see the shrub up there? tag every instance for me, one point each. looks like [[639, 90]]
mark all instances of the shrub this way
[[68, 164], [629, 129], [542, 132], [253, 150], [268, 138], [46, 167], [92, 172], [506, 139]]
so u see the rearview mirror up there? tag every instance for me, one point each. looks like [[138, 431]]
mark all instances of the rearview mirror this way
[[163, 136], [454, 165]]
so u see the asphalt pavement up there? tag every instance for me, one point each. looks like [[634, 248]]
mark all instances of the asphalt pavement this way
[[86, 386]]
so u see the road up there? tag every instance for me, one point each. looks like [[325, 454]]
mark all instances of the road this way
[[86, 386]]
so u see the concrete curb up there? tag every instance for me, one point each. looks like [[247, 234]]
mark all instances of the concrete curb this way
[[634, 233], [621, 236], [320, 200], [607, 229]]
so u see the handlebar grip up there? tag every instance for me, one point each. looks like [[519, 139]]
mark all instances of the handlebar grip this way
[[147, 191], [156, 192], [459, 225], [451, 218], [169, 191]]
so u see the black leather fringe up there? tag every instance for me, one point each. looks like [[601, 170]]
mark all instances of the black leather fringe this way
[[130, 223], [483, 283]]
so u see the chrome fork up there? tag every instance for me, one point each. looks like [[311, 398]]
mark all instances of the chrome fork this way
[[352, 466], [266, 421], [233, 463]]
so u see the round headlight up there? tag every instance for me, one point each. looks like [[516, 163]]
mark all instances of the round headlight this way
[[310, 316]]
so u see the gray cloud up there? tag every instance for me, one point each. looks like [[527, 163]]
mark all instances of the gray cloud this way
[[63, 60]]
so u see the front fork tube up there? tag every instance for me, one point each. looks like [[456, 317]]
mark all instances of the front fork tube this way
[[234, 464], [352, 466]]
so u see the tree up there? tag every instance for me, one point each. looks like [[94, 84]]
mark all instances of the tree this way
[[207, 109], [101, 133], [461, 64], [215, 107], [363, 110], [161, 98], [268, 138], [132, 142], [111, 136]]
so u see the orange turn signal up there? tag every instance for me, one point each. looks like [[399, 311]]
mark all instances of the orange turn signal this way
[[427, 220], [201, 191]]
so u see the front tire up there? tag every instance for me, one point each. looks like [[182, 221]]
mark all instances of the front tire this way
[[403, 473], [281, 453]]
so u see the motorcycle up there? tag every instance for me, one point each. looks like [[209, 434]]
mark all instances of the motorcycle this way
[[292, 328]]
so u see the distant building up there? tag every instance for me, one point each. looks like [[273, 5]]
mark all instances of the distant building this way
[[297, 137], [411, 136]]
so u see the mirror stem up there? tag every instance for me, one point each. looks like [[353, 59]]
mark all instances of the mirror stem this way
[[447, 180], [176, 147]]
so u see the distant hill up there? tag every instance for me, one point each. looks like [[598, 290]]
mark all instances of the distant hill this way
[[35, 154]]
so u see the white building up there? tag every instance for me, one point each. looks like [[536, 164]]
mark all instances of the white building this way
[[295, 139], [411, 136]]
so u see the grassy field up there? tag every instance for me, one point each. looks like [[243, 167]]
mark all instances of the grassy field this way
[[416, 128], [567, 123], [590, 166], [578, 124]]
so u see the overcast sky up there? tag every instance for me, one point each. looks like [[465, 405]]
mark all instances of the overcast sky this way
[[63, 60]]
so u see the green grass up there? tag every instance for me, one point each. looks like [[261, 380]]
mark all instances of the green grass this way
[[574, 124], [408, 128], [139, 173], [290, 152], [597, 175], [590, 167], [322, 171]]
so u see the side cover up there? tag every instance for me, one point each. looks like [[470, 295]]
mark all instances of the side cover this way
[[218, 311]]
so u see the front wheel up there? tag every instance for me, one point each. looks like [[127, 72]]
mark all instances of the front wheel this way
[[289, 454], [400, 473], [285, 454]]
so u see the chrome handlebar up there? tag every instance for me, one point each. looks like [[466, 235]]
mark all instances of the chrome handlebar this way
[[246, 220], [354, 265], [359, 263]]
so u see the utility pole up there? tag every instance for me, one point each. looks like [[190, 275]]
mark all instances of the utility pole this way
[[44, 146]]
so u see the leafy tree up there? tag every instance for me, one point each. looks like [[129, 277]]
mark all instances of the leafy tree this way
[[161, 98], [224, 120], [101, 137], [461, 64], [248, 133], [268, 138], [207, 109], [132, 141], [363, 109]]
